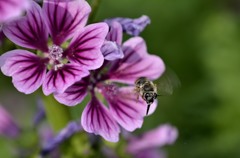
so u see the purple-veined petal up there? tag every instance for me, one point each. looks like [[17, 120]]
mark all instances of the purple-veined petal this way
[[62, 78], [26, 69], [115, 32], [97, 119], [132, 26], [73, 95], [158, 137], [112, 51], [65, 17], [10, 9], [29, 31], [136, 63], [85, 48], [125, 107]]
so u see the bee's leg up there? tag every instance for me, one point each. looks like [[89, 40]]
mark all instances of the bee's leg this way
[[137, 97], [136, 91], [137, 101]]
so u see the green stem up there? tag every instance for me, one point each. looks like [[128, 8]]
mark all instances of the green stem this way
[[58, 115], [95, 5]]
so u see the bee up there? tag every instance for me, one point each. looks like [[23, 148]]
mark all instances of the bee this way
[[147, 90]]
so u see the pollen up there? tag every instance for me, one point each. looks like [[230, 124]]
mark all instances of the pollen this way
[[55, 52]]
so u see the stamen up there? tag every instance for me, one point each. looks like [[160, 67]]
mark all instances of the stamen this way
[[109, 89], [56, 67], [55, 52]]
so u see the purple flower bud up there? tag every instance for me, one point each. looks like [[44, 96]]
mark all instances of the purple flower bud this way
[[64, 134], [108, 152], [132, 26], [40, 115], [163, 135], [8, 127], [112, 51]]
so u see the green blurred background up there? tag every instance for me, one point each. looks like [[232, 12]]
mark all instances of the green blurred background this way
[[200, 41]]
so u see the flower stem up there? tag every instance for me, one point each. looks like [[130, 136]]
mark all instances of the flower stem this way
[[95, 5], [58, 115]]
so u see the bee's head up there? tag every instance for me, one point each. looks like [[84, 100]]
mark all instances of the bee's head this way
[[149, 97]]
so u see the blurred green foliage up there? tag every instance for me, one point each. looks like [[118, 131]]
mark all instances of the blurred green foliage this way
[[200, 41]]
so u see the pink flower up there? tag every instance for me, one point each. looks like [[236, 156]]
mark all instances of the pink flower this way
[[148, 144], [123, 106], [53, 67]]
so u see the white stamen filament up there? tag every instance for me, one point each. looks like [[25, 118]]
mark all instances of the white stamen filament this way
[[56, 67]]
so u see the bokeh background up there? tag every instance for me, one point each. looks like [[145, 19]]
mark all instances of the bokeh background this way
[[200, 41]]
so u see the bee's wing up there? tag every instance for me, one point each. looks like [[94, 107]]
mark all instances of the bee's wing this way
[[167, 83]]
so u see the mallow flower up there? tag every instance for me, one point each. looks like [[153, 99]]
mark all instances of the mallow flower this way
[[54, 66], [149, 143], [121, 106], [10, 9]]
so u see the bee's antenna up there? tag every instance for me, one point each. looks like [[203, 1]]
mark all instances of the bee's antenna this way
[[148, 107]]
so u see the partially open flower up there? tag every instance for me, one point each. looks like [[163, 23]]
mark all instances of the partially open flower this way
[[132, 26], [8, 127], [62, 136], [148, 144], [112, 48]]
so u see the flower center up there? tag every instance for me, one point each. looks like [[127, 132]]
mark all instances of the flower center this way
[[55, 52], [55, 55], [110, 90]]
